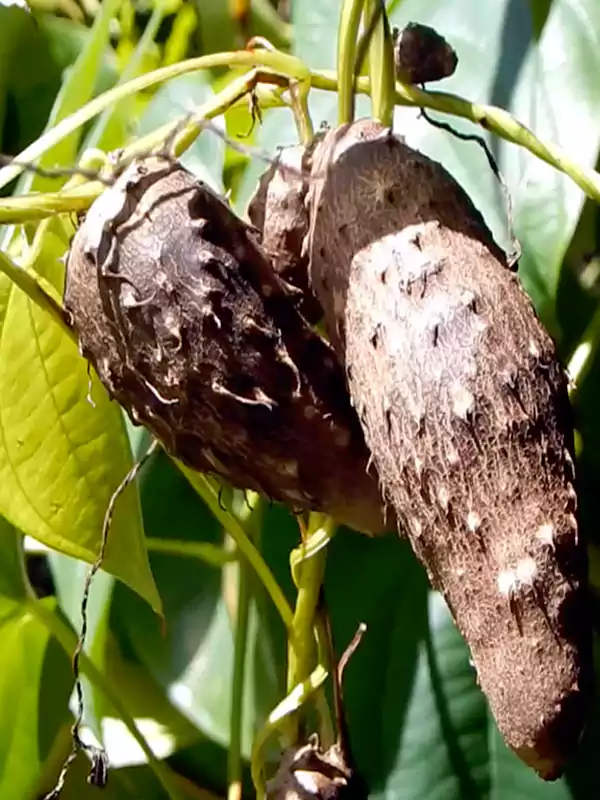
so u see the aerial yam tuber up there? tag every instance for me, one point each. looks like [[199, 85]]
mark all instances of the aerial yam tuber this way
[[278, 211], [465, 408], [190, 329]]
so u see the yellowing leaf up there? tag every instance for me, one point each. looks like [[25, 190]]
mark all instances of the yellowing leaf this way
[[61, 458]]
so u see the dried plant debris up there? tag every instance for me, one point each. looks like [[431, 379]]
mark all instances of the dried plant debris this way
[[307, 771], [465, 408], [278, 211], [190, 329]]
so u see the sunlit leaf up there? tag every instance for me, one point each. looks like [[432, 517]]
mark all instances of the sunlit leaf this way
[[34, 679], [78, 86], [558, 97], [61, 458]]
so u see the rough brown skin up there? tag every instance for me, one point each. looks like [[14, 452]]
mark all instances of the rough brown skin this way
[[422, 55], [278, 211], [465, 408], [189, 328]]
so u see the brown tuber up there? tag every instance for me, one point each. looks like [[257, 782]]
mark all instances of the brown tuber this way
[[190, 329], [278, 211], [464, 406]]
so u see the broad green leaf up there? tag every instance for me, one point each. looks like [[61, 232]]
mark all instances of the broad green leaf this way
[[78, 86], [34, 678], [558, 97], [14, 586], [419, 725], [490, 40], [66, 40], [24, 648], [26, 91], [61, 458], [164, 728]]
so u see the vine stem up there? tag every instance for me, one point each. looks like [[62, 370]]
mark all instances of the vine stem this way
[[234, 753], [42, 295], [208, 490], [350, 17], [250, 516], [381, 63], [278, 68], [211, 554], [582, 358], [67, 639]]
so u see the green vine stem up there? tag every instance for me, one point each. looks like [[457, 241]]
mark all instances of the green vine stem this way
[[37, 290], [580, 363], [67, 639], [381, 63], [208, 489], [298, 697], [211, 554], [308, 567], [250, 516], [21, 209], [349, 25]]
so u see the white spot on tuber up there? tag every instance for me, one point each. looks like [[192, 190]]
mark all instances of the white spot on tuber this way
[[463, 402], [510, 581], [208, 312], [545, 534], [473, 521], [308, 781], [526, 571], [452, 455], [533, 349], [506, 582], [443, 498]]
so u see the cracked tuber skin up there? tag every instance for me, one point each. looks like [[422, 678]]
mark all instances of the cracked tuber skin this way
[[464, 406], [190, 329]]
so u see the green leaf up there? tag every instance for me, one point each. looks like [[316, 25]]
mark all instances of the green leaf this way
[[112, 127], [66, 40], [61, 458], [26, 92], [14, 586], [420, 727], [490, 40], [34, 679], [77, 88], [558, 97]]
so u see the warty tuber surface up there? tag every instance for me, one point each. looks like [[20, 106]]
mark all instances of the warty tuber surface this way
[[190, 329], [465, 408]]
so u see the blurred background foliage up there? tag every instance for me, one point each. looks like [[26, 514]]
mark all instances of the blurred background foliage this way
[[419, 724]]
